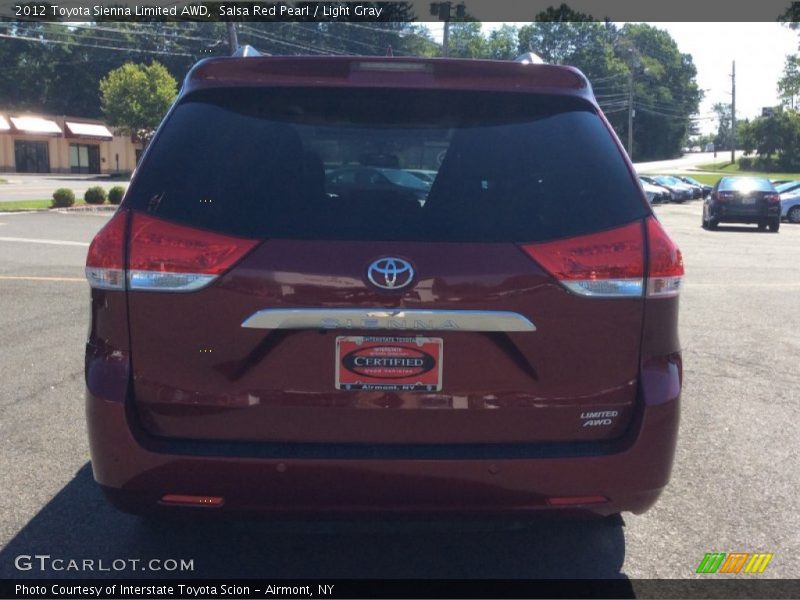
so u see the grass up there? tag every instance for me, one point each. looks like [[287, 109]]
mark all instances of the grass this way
[[710, 173], [3, 180], [16, 205]]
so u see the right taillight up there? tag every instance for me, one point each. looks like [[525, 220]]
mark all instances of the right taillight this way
[[611, 264], [773, 199], [724, 196], [665, 266]]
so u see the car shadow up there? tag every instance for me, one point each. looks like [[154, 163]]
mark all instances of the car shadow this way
[[79, 524], [740, 228]]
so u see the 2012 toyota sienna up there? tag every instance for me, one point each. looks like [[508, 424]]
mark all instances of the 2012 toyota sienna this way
[[505, 340]]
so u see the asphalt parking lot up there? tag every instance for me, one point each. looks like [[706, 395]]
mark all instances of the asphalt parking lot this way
[[735, 481]]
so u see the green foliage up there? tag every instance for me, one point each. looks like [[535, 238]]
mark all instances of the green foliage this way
[[95, 195], [775, 140], [467, 41], [664, 87], [789, 83], [136, 97], [62, 198], [62, 75], [723, 139], [503, 43], [115, 194]]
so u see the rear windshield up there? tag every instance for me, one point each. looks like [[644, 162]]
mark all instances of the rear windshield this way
[[334, 164], [787, 187], [745, 184]]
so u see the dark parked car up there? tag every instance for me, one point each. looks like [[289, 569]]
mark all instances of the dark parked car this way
[[259, 343], [373, 183], [705, 190], [677, 193], [743, 200], [681, 191]]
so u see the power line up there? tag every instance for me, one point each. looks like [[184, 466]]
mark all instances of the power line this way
[[266, 37], [50, 41]]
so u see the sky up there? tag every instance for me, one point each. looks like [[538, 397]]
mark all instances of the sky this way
[[759, 50]]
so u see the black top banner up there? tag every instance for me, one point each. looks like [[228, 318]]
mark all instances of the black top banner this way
[[416, 10]]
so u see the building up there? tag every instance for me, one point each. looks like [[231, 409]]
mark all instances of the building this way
[[49, 144]]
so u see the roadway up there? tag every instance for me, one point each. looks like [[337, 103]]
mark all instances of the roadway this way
[[734, 486]]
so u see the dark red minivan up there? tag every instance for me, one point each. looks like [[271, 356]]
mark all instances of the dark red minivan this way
[[266, 337]]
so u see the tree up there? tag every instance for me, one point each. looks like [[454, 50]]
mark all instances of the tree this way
[[467, 41], [135, 97], [789, 83], [503, 43], [723, 139], [775, 139]]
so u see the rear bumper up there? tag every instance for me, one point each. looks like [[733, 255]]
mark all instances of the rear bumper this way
[[136, 471], [744, 215]]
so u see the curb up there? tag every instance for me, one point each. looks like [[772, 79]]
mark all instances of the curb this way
[[87, 209]]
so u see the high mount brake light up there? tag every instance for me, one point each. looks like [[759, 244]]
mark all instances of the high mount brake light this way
[[610, 264], [163, 256]]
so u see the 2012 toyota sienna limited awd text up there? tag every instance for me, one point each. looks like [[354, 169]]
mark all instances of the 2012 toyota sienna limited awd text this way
[[503, 339]]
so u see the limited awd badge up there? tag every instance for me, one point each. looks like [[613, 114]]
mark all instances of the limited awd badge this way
[[390, 273]]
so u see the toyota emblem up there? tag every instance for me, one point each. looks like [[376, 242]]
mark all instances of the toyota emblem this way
[[390, 273]]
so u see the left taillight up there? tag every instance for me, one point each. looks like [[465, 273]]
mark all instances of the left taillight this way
[[166, 257], [105, 262]]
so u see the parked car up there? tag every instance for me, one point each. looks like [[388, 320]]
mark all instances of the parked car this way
[[426, 175], [258, 343], [790, 206], [705, 190], [666, 194], [695, 191], [786, 187], [655, 193], [743, 200], [679, 191], [356, 183]]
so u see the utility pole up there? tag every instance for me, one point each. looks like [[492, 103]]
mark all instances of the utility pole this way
[[630, 113], [233, 39], [444, 10], [632, 66], [733, 112]]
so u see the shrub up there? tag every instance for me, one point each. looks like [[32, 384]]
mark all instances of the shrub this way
[[62, 198], [95, 195], [745, 164], [115, 194]]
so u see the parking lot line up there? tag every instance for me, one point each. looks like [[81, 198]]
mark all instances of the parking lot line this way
[[26, 278], [41, 241]]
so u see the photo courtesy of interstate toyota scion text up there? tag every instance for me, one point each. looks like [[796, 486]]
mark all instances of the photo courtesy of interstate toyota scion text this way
[[383, 285]]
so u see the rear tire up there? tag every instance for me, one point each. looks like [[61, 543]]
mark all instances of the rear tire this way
[[762, 226], [775, 225], [794, 214]]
